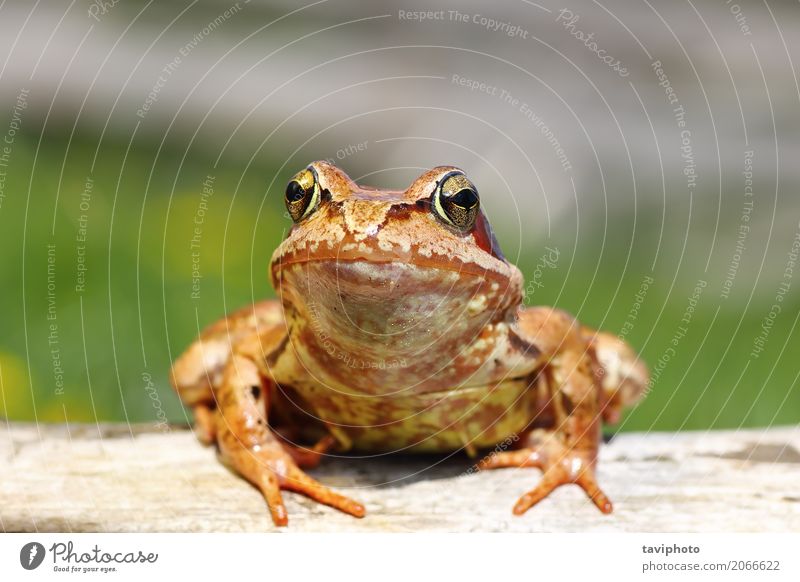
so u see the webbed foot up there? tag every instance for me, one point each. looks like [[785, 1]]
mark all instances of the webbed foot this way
[[560, 464], [272, 470]]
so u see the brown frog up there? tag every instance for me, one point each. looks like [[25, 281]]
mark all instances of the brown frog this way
[[399, 326]]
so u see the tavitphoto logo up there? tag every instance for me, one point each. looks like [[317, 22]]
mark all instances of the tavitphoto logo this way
[[31, 555]]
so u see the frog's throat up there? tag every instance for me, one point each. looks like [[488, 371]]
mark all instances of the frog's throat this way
[[397, 323]]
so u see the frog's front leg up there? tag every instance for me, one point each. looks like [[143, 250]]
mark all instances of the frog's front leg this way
[[197, 373], [225, 379], [248, 444], [567, 452]]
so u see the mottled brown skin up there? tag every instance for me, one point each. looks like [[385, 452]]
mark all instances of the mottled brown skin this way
[[397, 329]]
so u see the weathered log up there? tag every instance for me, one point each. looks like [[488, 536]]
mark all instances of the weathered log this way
[[134, 479]]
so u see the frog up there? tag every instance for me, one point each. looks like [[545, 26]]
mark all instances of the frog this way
[[400, 326]]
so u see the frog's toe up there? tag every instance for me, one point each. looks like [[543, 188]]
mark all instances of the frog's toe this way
[[270, 488], [299, 482], [561, 466], [269, 467], [273, 470], [570, 469], [271, 483]]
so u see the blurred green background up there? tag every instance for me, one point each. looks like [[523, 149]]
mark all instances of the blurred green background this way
[[261, 94]]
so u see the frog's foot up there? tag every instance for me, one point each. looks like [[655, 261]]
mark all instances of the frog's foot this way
[[272, 469], [253, 450], [560, 464]]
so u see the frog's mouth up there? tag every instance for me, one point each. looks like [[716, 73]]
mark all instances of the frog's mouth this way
[[387, 283], [499, 272], [405, 240]]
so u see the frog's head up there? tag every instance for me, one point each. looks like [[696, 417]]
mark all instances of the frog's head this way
[[395, 269]]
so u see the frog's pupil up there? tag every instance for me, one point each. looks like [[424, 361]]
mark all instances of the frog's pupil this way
[[465, 198], [294, 191]]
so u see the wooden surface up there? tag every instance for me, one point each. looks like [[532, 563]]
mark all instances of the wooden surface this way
[[116, 478]]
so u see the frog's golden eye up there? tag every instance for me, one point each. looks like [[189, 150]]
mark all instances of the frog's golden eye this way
[[456, 201], [302, 194]]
